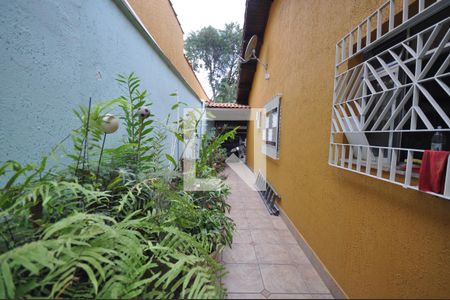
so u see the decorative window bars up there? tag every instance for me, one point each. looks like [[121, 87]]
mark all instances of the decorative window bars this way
[[392, 91], [271, 130]]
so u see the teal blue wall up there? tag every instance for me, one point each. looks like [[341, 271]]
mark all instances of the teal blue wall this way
[[56, 54]]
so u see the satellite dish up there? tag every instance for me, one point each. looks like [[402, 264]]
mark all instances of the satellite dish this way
[[250, 51], [250, 54]]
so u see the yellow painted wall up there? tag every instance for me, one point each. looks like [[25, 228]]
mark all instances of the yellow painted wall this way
[[160, 20], [376, 239]]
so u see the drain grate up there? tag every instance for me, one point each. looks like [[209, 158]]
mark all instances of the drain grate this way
[[268, 194]]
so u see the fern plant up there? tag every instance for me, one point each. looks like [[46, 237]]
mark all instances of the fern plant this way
[[80, 256], [131, 233], [86, 256]]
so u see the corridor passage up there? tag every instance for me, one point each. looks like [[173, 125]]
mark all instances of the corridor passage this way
[[265, 260]]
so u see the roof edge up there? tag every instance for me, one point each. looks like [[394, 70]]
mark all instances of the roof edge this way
[[176, 16], [255, 21], [228, 105]]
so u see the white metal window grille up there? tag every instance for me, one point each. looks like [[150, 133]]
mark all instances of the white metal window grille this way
[[271, 129], [387, 108], [382, 24]]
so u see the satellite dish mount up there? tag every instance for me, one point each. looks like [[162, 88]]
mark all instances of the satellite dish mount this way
[[250, 54]]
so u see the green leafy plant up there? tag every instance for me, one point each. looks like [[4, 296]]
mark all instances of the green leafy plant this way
[[87, 138], [211, 153], [130, 233], [139, 130]]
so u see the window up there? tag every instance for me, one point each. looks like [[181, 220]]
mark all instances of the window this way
[[388, 106], [271, 129]]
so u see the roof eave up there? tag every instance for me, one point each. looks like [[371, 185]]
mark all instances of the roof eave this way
[[255, 21]]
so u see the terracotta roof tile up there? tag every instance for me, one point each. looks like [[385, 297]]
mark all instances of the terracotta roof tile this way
[[212, 104]]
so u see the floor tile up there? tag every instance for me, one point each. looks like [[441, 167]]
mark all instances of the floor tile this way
[[286, 237], [260, 224], [279, 224], [253, 198], [322, 296], [236, 208], [239, 253], [257, 214], [239, 216], [265, 293], [312, 280], [243, 278], [291, 296], [243, 191], [261, 207], [241, 223], [254, 206], [298, 256], [234, 198], [282, 279], [265, 236], [236, 204], [235, 213], [265, 260], [245, 296], [272, 254], [242, 236]]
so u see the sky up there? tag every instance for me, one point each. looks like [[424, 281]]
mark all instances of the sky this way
[[196, 14]]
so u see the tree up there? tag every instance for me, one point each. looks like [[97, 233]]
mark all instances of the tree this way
[[217, 52]]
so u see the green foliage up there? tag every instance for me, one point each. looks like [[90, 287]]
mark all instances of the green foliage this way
[[226, 91], [134, 98], [93, 136], [210, 161], [141, 153], [130, 233], [217, 51], [145, 145]]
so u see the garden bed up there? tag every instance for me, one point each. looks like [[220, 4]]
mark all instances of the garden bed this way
[[115, 223]]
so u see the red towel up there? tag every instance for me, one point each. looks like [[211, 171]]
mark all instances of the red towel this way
[[432, 171]]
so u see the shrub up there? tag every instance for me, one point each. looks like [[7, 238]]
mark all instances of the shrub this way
[[126, 231]]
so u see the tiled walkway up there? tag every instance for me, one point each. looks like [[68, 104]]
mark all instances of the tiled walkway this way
[[265, 260]]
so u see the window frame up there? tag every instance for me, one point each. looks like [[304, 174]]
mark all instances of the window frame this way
[[271, 147]]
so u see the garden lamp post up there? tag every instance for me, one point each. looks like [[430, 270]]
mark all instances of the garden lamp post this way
[[110, 124]]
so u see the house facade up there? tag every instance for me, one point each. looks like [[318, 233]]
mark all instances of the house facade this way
[[354, 92], [55, 55]]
